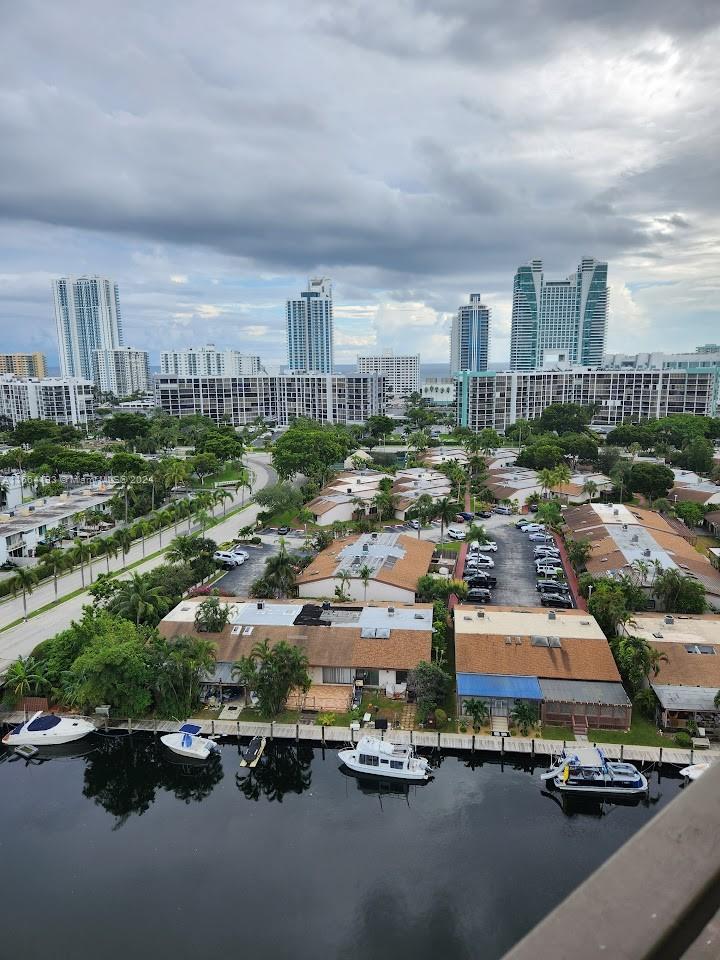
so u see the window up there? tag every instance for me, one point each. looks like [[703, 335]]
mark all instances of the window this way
[[336, 675], [395, 764], [384, 761], [700, 648], [368, 760]]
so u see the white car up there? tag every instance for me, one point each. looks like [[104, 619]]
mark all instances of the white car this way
[[228, 559], [540, 537], [239, 552], [415, 524], [477, 547], [533, 528], [456, 533], [479, 561], [548, 569]]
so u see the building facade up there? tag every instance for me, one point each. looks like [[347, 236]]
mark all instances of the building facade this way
[[122, 371], [401, 372], [64, 400], [87, 317], [310, 332], [559, 321], [23, 364], [702, 359], [470, 336], [280, 399], [497, 400], [439, 390], [208, 361]]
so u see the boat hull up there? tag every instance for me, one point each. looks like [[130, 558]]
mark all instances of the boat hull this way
[[694, 771], [600, 789], [199, 749], [418, 774], [66, 731]]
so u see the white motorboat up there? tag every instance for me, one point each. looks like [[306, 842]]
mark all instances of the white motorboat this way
[[384, 759], [187, 743], [48, 729], [586, 770], [695, 770]]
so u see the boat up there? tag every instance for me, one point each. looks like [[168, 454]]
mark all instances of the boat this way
[[695, 770], [48, 729], [187, 743], [586, 771], [253, 752], [384, 759]]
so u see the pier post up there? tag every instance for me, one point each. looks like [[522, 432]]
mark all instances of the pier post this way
[[272, 722], [411, 739], [692, 750], [297, 732], [155, 726], [502, 746], [129, 725], [660, 755], [322, 734], [622, 750], [237, 724], [532, 748], [438, 739], [473, 743], [212, 728]]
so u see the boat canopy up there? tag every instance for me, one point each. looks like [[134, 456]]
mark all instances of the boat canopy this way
[[372, 745], [192, 728], [45, 722]]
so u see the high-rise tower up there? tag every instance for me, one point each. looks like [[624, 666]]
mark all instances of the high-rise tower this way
[[470, 336], [87, 315], [310, 328]]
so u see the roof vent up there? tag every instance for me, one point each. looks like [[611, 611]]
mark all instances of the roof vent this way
[[616, 512], [552, 615], [669, 620], [420, 616], [391, 611], [349, 489], [624, 526], [646, 552], [261, 604], [480, 614], [374, 536], [508, 640]]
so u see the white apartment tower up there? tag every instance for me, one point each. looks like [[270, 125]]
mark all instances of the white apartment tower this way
[[122, 371], [87, 315], [401, 372], [309, 321], [470, 336], [559, 321], [208, 361]]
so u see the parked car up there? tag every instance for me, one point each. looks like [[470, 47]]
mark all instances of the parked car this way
[[283, 531], [554, 586], [239, 552], [477, 547], [479, 578], [533, 528], [522, 523], [533, 508], [415, 524], [545, 548], [556, 600], [503, 511], [479, 595], [547, 569], [228, 559], [540, 537], [456, 533], [483, 514], [479, 560], [466, 516]]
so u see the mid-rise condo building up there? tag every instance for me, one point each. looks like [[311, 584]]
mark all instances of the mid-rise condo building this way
[[23, 364], [208, 361], [121, 371], [401, 372], [66, 400]]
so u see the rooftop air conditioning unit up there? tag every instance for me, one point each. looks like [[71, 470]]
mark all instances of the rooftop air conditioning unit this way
[[480, 614], [624, 525], [391, 611], [552, 615], [349, 489], [646, 552], [261, 604], [366, 548], [419, 616], [616, 512], [669, 620], [374, 536]]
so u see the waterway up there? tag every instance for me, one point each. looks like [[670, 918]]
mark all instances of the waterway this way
[[123, 852]]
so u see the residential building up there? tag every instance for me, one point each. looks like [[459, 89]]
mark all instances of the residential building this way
[[470, 336], [497, 400], [436, 456], [208, 361], [310, 334], [23, 364], [351, 495], [281, 399], [688, 677], [521, 483], [374, 644], [439, 391], [559, 320], [689, 487], [704, 358], [629, 539], [401, 372], [25, 526], [557, 660], [68, 400], [87, 316], [394, 563], [121, 371], [11, 490]]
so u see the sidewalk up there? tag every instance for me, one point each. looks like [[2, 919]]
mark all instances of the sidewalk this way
[[12, 608]]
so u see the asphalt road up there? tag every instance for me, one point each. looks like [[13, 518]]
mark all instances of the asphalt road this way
[[514, 567]]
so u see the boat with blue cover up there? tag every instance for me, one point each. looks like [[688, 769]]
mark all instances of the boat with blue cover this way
[[48, 729], [587, 771], [187, 743]]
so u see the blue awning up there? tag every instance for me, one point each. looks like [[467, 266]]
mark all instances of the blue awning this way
[[499, 686]]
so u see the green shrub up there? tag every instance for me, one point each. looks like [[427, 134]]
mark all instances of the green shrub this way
[[440, 717], [683, 739]]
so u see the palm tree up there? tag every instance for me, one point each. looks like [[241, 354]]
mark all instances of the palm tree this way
[[424, 509], [176, 473], [25, 580], [203, 518], [243, 483], [124, 539], [183, 549], [579, 552], [478, 710], [445, 511], [525, 716], [139, 600], [56, 560], [158, 477], [547, 480], [344, 576], [562, 475], [111, 550], [146, 527], [80, 553], [280, 573], [365, 573], [24, 676], [222, 496], [591, 489], [642, 568], [163, 519]]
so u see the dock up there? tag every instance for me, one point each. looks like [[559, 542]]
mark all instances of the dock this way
[[429, 739]]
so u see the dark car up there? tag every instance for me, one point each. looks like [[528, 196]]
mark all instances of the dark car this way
[[475, 580], [556, 600], [479, 595], [283, 531], [552, 586], [483, 514], [466, 516]]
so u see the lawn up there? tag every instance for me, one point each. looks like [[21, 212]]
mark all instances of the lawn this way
[[704, 542], [229, 474], [643, 732]]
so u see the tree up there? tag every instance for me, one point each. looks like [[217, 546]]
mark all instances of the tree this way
[[222, 497], [431, 588], [140, 601], [489, 441], [279, 573], [525, 716], [609, 607], [80, 553], [546, 479], [127, 468], [56, 561], [563, 418], [690, 513], [541, 454], [126, 426], [365, 573], [25, 580], [24, 677], [679, 593], [183, 549], [184, 664], [651, 479], [211, 615], [385, 504], [176, 473], [419, 440], [637, 660], [272, 673], [430, 684], [279, 498], [380, 426], [445, 511], [579, 552], [478, 710], [310, 448], [124, 539], [591, 489]]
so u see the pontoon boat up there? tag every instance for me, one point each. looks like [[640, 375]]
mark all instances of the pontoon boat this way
[[587, 771]]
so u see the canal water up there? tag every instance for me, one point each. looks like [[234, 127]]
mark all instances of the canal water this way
[[113, 850]]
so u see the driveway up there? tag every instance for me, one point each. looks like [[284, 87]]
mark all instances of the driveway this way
[[514, 566], [239, 579]]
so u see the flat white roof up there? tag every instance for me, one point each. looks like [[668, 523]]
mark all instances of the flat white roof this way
[[683, 629], [527, 622]]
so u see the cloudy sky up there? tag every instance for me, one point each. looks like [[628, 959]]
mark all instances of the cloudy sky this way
[[211, 155]]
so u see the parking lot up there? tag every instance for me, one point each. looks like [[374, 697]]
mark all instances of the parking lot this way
[[238, 580], [514, 566]]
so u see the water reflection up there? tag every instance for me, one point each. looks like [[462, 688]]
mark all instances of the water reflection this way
[[124, 774], [284, 768], [381, 788]]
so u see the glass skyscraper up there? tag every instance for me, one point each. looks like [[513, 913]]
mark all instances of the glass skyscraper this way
[[470, 336], [87, 315], [559, 321], [310, 328]]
